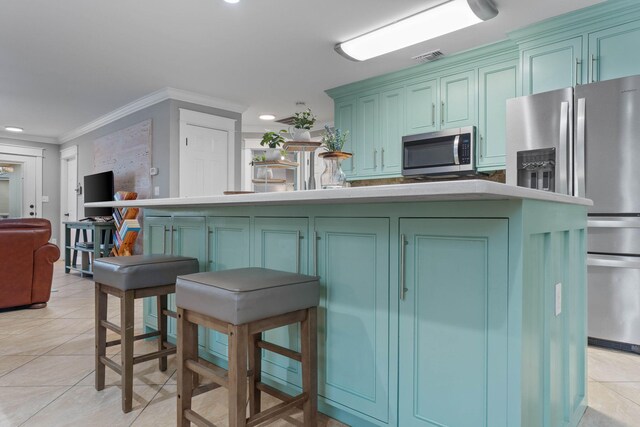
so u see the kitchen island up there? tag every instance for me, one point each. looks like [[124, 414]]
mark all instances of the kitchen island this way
[[442, 304]]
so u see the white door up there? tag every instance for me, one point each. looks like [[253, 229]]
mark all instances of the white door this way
[[206, 154], [68, 187], [22, 186]]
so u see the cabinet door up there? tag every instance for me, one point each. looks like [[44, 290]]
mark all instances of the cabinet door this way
[[422, 114], [228, 247], [345, 119], [156, 235], [368, 135], [458, 100], [614, 52], [353, 318], [553, 66], [391, 130], [453, 323], [497, 84], [282, 244]]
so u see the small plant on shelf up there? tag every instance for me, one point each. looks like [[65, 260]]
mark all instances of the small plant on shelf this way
[[304, 119], [334, 139], [272, 139], [257, 159]]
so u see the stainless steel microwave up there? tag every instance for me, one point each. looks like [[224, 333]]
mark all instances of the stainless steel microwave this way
[[448, 152]]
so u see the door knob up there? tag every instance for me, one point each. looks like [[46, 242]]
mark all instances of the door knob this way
[[32, 213], [31, 206], [66, 214]]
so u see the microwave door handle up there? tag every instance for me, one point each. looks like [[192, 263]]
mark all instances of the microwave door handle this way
[[456, 144]]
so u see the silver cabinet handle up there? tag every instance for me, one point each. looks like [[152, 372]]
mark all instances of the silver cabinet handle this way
[[580, 166], [375, 155], [614, 261], [614, 222], [353, 154], [171, 237], [456, 147], [403, 289], [433, 114], [591, 68], [314, 245], [207, 255], [578, 64], [442, 113], [382, 159], [298, 237]]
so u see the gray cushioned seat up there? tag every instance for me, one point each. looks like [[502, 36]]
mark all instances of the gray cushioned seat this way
[[142, 271], [246, 294]]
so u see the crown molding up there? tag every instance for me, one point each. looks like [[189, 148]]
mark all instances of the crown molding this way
[[147, 101], [28, 138]]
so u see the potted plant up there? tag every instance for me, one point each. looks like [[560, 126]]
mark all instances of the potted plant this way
[[303, 121], [333, 141], [273, 141]]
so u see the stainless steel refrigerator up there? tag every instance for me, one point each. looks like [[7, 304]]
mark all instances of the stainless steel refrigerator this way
[[585, 141]]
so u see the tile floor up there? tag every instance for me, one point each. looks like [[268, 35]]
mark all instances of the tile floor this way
[[46, 373]]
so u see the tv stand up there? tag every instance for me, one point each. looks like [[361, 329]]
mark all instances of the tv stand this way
[[98, 244]]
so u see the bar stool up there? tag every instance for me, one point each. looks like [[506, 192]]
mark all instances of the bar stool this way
[[243, 303], [129, 278]]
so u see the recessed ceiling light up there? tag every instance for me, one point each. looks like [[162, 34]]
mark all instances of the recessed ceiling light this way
[[13, 129], [232, 1], [267, 117]]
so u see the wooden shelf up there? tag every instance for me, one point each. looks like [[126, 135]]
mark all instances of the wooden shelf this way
[[276, 164], [301, 146]]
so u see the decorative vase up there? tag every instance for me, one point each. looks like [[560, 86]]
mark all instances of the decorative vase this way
[[273, 154], [333, 176], [263, 172], [300, 134]]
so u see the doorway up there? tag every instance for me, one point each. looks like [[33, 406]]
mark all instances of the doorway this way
[[69, 188], [206, 154], [24, 182]]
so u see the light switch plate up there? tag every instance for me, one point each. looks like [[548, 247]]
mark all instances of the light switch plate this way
[[156, 191], [558, 298], [153, 171], [45, 199]]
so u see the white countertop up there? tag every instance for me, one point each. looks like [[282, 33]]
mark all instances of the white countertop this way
[[428, 191]]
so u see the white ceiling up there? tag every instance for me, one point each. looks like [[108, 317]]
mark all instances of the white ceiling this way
[[65, 63]]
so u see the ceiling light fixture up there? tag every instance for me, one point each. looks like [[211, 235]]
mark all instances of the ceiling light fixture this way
[[232, 1], [447, 17], [267, 117], [13, 129]]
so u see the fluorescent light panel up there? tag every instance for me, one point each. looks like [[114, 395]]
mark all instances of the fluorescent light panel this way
[[13, 129], [442, 19]]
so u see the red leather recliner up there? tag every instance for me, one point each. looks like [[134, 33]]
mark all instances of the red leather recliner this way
[[26, 262]]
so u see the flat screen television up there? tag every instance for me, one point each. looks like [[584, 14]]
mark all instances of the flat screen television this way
[[98, 188]]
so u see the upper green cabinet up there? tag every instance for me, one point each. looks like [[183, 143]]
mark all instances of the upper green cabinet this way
[[391, 130], [497, 83], [614, 52], [367, 143], [458, 100], [345, 119], [552, 66], [421, 115]]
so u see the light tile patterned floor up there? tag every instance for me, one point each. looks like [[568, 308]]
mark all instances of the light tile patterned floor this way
[[46, 373]]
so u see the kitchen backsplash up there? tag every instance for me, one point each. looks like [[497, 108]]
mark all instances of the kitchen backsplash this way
[[497, 176]]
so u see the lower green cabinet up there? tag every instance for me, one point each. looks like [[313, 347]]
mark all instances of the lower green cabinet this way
[[282, 244], [353, 318], [453, 333]]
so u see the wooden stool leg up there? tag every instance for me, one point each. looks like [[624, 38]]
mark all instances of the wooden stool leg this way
[[187, 343], [126, 337], [161, 301], [238, 336], [310, 367], [101, 335], [255, 365]]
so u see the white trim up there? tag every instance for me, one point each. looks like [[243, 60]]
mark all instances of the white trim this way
[[147, 101], [66, 155], [26, 137], [69, 152], [21, 151]]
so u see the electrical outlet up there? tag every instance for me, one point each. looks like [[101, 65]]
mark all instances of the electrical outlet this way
[[558, 298]]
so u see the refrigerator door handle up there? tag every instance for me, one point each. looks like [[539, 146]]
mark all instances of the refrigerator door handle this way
[[562, 168], [613, 261], [579, 166]]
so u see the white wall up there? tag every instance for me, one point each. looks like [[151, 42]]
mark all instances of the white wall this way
[[4, 197]]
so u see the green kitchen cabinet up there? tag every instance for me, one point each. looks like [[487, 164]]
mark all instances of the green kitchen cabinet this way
[[453, 333], [392, 112], [156, 234], [282, 244], [353, 318], [345, 120], [552, 66], [497, 83], [613, 52], [458, 100], [368, 134], [421, 115], [228, 246]]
